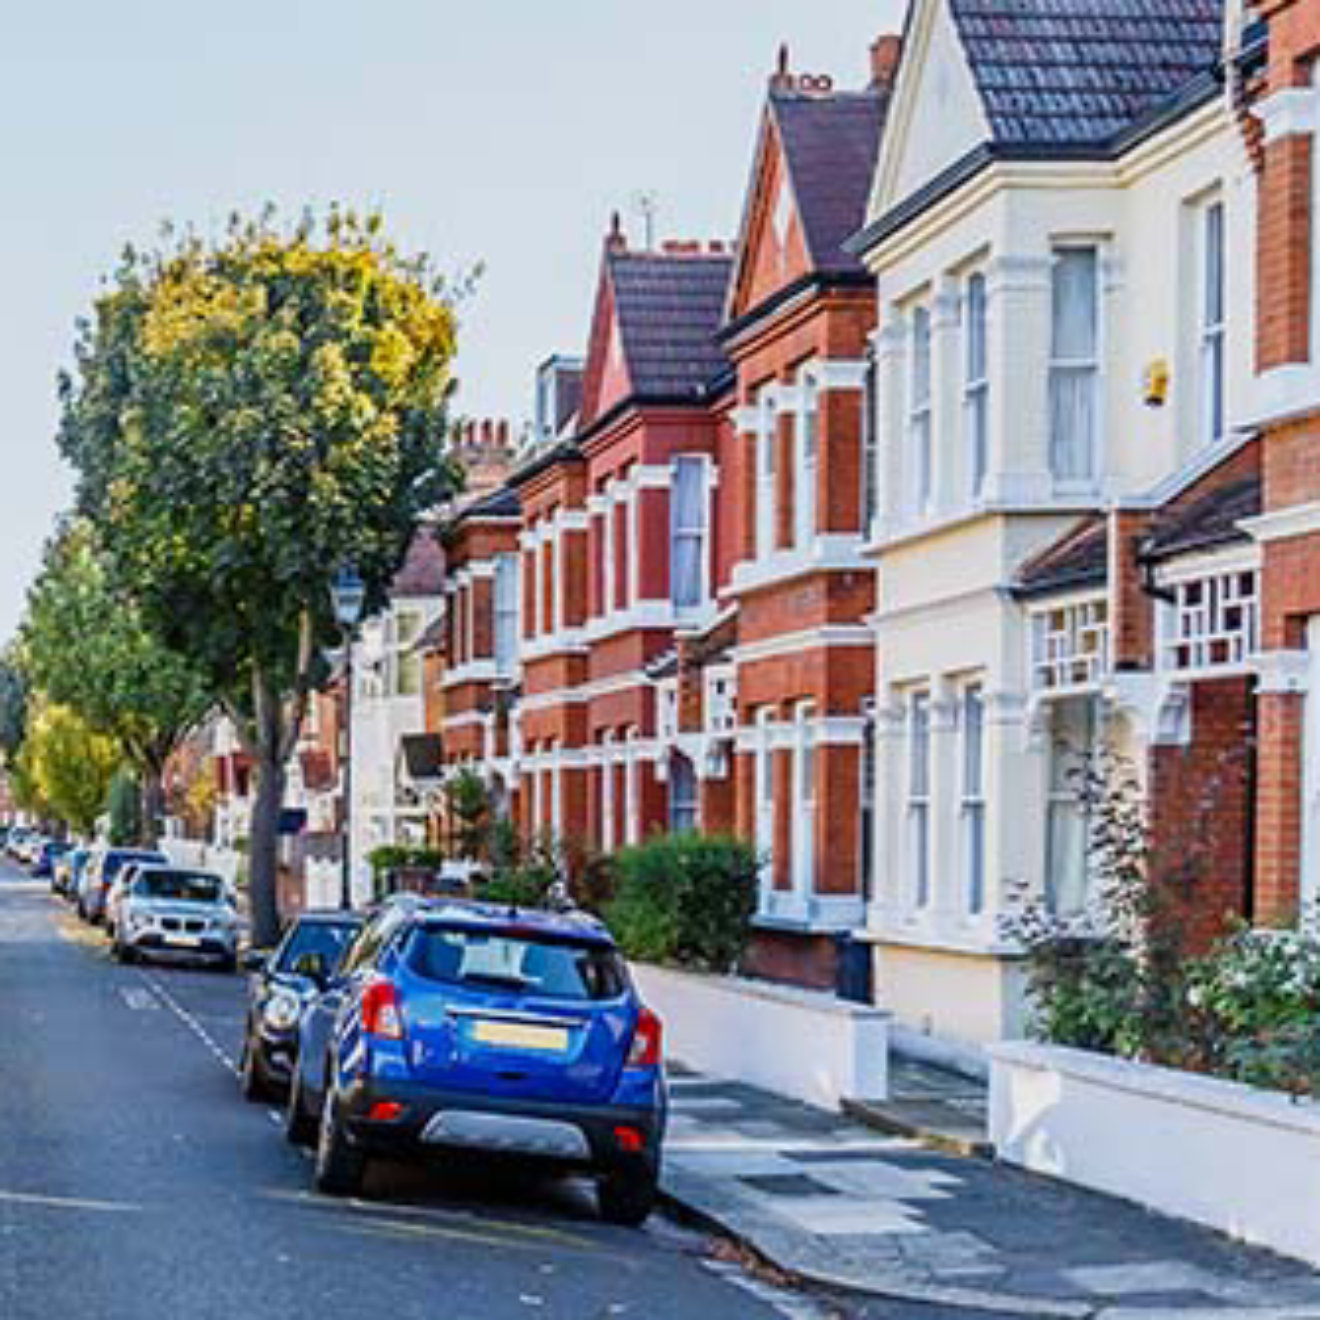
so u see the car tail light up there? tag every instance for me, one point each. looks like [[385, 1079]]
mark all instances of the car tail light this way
[[645, 1051], [629, 1140], [380, 1011], [385, 1111]]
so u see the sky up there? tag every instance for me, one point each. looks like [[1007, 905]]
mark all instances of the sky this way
[[494, 131]]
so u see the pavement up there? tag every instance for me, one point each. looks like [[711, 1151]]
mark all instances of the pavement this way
[[833, 1202]]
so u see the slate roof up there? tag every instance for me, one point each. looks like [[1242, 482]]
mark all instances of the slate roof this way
[[1079, 558], [1207, 522], [423, 571], [830, 144], [1080, 72], [435, 636], [668, 308], [500, 503]]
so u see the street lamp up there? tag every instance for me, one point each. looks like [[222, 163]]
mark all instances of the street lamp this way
[[347, 593]]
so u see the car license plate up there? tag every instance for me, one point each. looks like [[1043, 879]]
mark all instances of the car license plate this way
[[521, 1036], [184, 941]]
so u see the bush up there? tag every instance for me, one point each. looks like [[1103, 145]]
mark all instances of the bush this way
[[400, 857], [686, 899]]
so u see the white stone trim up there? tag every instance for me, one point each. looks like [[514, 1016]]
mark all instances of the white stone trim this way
[[1205, 460], [840, 730], [1283, 393], [830, 552], [1281, 672], [1282, 524], [641, 614], [1187, 568], [1289, 112], [464, 720], [746, 421], [474, 671], [565, 641], [839, 373], [827, 635]]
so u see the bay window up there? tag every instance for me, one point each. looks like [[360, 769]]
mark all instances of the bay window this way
[[804, 799], [682, 795], [870, 443], [973, 796], [1073, 731], [808, 444], [766, 438], [506, 613]]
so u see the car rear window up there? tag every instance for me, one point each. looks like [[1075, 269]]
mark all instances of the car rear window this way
[[327, 938], [518, 963], [187, 886], [116, 861]]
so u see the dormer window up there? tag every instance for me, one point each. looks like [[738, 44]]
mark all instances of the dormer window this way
[[1074, 374]]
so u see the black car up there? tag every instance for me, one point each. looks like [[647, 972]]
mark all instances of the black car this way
[[277, 993]]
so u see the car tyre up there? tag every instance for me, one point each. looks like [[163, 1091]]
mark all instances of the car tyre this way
[[626, 1198], [252, 1081], [340, 1168], [299, 1125]]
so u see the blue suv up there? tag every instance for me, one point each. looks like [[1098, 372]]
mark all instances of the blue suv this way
[[454, 1025]]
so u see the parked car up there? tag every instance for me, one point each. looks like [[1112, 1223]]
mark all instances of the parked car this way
[[482, 1028], [175, 914], [43, 864], [68, 871], [19, 839], [279, 989], [100, 874], [29, 846]]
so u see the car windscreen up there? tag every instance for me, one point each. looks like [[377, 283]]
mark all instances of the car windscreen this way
[[185, 886], [524, 964], [328, 938]]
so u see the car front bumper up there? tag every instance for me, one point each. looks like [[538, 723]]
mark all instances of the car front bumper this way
[[159, 944]]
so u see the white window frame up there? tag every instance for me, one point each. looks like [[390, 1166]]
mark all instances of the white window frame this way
[[556, 791], [699, 532], [1212, 625], [976, 381], [806, 448], [690, 809], [607, 555], [804, 797], [1087, 367], [1063, 797], [972, 813], [870, 443], [766, 462], [506, 607], [1214, 290], [868, 778], [632, 831], [920, 405], [918, 797], [607, 823], [764, 789], [403, 652]]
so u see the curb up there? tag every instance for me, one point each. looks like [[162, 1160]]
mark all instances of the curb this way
[[972, 1300], [881, 1120]]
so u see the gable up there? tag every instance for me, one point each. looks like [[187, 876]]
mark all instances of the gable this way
[[605, 378], [937, 116], [772, 249]]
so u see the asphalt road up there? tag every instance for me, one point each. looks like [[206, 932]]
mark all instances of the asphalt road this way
[[135, 1184]]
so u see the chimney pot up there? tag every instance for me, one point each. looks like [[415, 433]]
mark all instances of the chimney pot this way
[[616, 241], [886, 51], [781, 76]]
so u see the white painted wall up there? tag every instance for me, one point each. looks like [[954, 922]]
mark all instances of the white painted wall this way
[[1238, 1159], [797, 1043]]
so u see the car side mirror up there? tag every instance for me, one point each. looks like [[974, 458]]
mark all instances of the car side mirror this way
[[313, 966], [255, 961]]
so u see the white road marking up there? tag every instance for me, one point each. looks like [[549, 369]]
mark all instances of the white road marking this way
[[793, 1306], [161, 993], [68, 1203], [139, 999]]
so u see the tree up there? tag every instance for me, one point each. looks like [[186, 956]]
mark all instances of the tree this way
[[88, 648], [70, 765], [247, 418], [13, 704]]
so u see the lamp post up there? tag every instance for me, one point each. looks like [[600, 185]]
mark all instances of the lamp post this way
[[347, 594]]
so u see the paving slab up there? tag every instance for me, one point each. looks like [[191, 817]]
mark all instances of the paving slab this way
[[840, 1204]]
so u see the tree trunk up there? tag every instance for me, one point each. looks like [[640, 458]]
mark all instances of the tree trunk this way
[[263, 849], [153, 804]]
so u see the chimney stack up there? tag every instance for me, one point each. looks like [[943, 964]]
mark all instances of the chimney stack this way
[[886, 51], [781, 78], [615, 240]]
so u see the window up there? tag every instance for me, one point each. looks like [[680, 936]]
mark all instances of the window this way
[[556, 792], [622, 550], [918, 797], [1070, 644], [1072, 748], [407, 662], [804, 799], [1212, 622], [919, 435], [687, 534], [682, 794], [506, 612], [765, 799], [870, 443], [808, 449], [976, 385], [766, 441], [866, 814], [607, 550], [1074, 366], [1212, 324], [607, 833], [973, 796], [631, 819]]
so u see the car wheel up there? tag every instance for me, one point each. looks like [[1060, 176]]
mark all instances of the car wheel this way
[[626, 1198], [299, 1126], [252, 1081], [340, 1168], [228, 965]]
